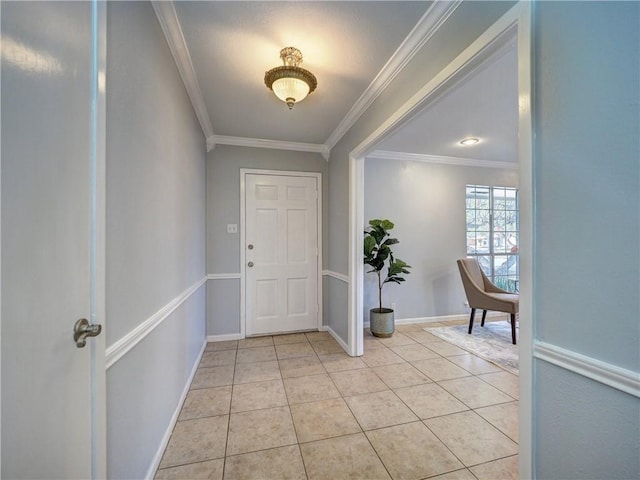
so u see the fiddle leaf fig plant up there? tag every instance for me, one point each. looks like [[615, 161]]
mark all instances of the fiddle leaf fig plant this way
[[377, 254]]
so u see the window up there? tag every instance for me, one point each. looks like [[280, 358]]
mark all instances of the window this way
[[492, 233]]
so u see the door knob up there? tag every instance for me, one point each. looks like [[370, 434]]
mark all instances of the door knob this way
[[82, 329], [250, 264]]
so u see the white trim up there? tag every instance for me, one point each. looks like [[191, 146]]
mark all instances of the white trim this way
[[427, 26], [356, 265], [442, 318], [515, 23], [211, 142], [224, 276], [336, 337], [168, 19], [524, 41], [440, 159], [98, 346], [1, 287], [336, 275], [613, 376], [225, 337], [155, 463], [264, 143], [446, 318], [116, 351], [243, 240]]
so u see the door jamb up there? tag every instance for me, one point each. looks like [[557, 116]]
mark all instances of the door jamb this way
[[243, 261]]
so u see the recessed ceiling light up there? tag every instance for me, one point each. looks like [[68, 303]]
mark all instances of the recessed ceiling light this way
[[469, 141]]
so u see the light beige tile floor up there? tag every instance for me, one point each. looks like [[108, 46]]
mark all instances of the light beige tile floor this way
[[297, 407]]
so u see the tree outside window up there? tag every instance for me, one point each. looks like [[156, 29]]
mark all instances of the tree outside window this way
[[493, 233]]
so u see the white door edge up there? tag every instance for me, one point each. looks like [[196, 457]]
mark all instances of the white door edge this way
[[243, 260]]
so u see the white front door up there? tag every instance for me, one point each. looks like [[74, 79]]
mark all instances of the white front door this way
[[281, 253], [53, 393]]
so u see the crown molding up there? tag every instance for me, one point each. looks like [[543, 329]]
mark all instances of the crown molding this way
[[420, 157], [211, 143], [168, 18], [426, 27], [264, 143]]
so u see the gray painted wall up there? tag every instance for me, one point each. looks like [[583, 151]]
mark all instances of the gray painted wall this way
[[223, 207], [586, 276], [467, 23], [155, 234], [427, 204]]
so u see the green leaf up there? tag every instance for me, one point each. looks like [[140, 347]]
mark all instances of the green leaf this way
[[386, 224], [369, 246]]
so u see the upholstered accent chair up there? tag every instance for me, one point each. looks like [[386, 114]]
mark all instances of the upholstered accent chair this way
[[481, 293]]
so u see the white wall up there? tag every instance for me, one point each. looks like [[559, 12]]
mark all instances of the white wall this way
[[223, 207], [155, 235], [586, 275], [426, 202]]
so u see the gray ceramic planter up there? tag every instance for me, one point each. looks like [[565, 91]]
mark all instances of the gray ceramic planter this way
[[381, 322]]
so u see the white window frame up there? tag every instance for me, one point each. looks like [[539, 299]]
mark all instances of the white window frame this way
[[493, 235]]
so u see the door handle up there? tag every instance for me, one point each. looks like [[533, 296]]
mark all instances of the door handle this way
[[82, 329], [250, 264]]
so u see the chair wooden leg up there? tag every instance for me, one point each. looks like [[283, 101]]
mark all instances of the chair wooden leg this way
[[513, 328], [473, 314], [484, 315]]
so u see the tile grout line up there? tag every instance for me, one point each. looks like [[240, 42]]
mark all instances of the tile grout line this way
[[343, 397]]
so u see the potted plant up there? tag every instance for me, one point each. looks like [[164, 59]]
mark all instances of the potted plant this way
[[377, 254]]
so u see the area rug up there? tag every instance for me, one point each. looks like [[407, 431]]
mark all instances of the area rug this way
[[491, 342]]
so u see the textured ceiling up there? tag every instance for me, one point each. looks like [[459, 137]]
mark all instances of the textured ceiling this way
[[345, 44], [351, 47], [485, 106]]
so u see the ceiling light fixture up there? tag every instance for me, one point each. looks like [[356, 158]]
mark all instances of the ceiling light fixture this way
[[469, 141], [290, 82]]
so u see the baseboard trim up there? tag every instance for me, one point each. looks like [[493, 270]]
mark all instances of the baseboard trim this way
[[613, 376], [327, 328], [442, 318], [225, 337], [336, 275], [447, 318], [155, 463], [120, 348]]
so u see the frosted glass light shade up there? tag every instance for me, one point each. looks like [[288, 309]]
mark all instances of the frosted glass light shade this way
[[290, 82], [290, 88]]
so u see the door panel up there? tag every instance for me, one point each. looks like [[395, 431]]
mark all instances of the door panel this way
[[281, 225], [48, 241]]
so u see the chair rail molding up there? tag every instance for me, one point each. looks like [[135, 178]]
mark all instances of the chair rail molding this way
[[223, 276], [120, 348], [336, 275], [611, 375]]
